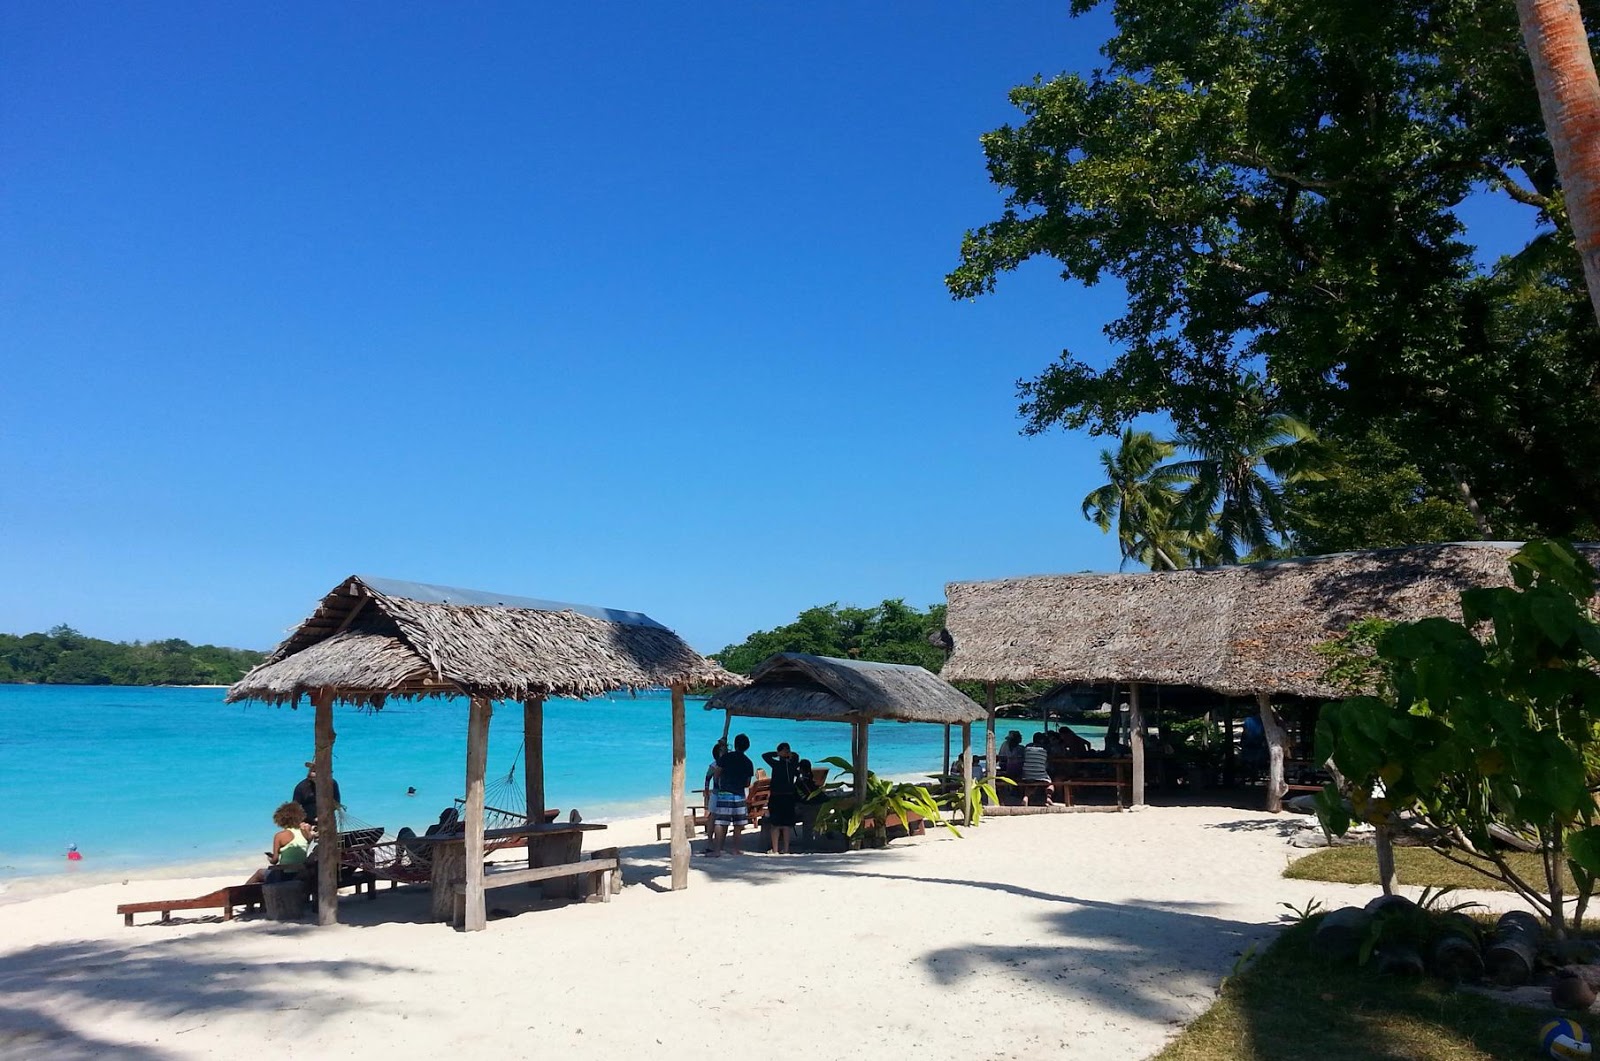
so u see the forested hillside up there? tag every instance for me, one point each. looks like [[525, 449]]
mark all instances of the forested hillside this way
[[65, 657]]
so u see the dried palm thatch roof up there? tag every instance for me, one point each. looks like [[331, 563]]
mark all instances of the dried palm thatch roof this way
[[798, 686], [1236, 630], [373, 638]]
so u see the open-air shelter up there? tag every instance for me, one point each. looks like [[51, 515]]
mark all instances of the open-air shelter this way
[[1248, 630], [372, 639], [807, 688]]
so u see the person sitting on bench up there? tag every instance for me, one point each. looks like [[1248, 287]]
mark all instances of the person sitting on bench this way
[[290, 845], [1036, 768]]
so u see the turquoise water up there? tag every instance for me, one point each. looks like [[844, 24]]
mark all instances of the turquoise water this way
[[139, 777]]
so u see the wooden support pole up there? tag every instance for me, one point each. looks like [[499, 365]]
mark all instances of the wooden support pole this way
[[533, 757], [1272, 727], [944, 767], [1136, 743], [862, 772], [680, 834], [477, 753], [988, 737], [327, 812], [966, 772], [1227, 743]]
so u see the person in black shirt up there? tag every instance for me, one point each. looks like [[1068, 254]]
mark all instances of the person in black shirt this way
[[785, 795], [305, 793], [735, 771]]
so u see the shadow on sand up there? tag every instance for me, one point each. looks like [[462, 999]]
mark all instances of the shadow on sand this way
[[182, 980]]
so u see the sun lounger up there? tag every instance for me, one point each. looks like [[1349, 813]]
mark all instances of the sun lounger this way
[[226, 899]]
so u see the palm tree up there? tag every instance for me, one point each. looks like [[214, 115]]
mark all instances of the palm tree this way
[[1569, 98], [1238, 461], [1141, 498]]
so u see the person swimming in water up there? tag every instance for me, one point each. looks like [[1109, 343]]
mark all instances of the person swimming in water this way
[[73, 854]]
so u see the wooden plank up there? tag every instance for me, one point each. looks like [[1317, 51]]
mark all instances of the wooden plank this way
[[680, 835], [327, 811], [474, 918], [1136, 742], [1272, 727], [505, 878]]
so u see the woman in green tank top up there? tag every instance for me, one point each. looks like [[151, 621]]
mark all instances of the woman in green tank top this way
[[290, 844]]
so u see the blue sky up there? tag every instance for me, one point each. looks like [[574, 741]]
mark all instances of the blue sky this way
[[634, 305]]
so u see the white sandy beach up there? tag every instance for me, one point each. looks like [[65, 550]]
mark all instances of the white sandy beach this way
[[1079, 935]]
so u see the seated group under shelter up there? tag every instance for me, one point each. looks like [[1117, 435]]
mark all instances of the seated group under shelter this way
[[371, 639]]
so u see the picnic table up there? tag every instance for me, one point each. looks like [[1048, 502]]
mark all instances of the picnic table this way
[[1113, 772], [552, 844]]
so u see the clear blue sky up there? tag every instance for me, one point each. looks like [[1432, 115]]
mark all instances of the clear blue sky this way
[[634, 305]]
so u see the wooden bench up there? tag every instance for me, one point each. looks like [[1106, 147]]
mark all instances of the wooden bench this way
[[695, 817], [603, 871], [1065, 787]]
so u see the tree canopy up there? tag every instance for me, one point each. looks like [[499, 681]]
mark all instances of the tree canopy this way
[[63, 656], [892, 632], [1277, 188]]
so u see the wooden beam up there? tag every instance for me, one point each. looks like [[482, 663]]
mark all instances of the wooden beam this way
[[966, 772], [533, 757], [680, 834], [944, 767], [1136, 743], [862, 771], [475, 918], [988, 738], [1272, 727], [327, 812]]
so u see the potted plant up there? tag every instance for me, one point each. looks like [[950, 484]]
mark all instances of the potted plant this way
[[863, 819]]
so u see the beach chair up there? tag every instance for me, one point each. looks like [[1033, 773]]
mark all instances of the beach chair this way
[[225, 899]]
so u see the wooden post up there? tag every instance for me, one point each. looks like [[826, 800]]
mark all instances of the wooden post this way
[[988, 739], [861, 763], [477, 753], [533, 757], [680, 835], [966, 772], [1227, 742], [328, 852], [1272, 727], [1136, 743], [944, 767]]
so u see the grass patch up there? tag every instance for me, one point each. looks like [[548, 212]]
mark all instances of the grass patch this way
[[1289, 1006], [1414, 865]]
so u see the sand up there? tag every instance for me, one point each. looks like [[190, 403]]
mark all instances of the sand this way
[[1078, 935]]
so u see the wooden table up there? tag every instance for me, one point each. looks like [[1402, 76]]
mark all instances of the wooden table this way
[[548, 845], [1074, 776]]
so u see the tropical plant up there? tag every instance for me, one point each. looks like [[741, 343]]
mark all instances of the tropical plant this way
[[865, 818], [953, 798], [1240, 457], [1141, 498], [1470, 735]]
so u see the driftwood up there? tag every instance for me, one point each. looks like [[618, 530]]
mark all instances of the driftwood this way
[[1397, 959], [1573, 987], [1514, 950], [285, 901]]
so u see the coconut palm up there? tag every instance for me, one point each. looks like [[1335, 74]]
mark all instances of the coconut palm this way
[[1239, 459], [1569, 98], [1142, 499]]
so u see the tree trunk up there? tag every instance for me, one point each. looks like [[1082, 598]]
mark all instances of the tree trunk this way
[[1386, 872], [1569, 98], [1272, 727], [1485, 531], [1136, 743], [680, 831], [328, 850]]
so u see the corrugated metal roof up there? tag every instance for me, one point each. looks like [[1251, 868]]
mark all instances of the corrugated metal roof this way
[[430, 594]]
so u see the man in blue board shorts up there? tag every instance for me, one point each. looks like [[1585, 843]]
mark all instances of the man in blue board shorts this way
[[735, 771]]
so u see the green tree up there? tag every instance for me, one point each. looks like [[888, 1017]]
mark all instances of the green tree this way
[[1141, 499], [1466, 732], [892, 632], [1276, 188]]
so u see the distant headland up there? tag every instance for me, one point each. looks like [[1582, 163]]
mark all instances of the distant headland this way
[[63, 656]]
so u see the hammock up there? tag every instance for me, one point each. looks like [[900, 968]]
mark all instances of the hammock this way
[[368, 848]]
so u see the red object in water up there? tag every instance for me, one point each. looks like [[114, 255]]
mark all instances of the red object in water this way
[[74, 856]]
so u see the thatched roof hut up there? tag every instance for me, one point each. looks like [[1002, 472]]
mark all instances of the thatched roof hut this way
[[1246, 630], [1236, 630], [809, 688], [371, 639], [821, 688]]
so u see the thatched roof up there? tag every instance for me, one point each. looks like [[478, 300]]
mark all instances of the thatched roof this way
[[798, 686], [1237, 630], [372, 638]]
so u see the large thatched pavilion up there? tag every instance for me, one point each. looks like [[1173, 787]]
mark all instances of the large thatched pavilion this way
[[371, 639], [806, 688], [1247, 630]]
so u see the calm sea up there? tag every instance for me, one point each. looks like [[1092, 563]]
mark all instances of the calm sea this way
[[139, 777]]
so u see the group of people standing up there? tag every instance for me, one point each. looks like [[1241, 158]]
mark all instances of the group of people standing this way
[[727, 785]]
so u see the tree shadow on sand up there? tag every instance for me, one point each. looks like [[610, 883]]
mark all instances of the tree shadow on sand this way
[[182, 981]]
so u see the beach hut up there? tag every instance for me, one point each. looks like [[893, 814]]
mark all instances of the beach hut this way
[[807, 688], [371, 639], [1246, 630]]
